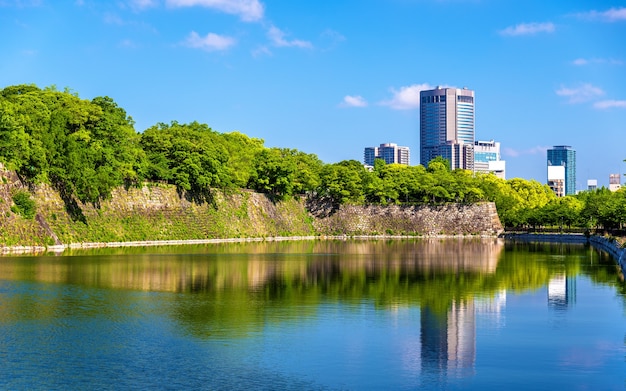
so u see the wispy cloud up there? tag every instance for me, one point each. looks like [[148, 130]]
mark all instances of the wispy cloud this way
[[277, 37], [610, 15], [110, 18], [353, 101], [261, 51], [609, 104], [247, 10], [211, 42], [528, 29], [116, 20], [406, 98], [588, 61], [127, 44], [21, 3], [142, 4], [539, 149], [582, 93], [332, 38]]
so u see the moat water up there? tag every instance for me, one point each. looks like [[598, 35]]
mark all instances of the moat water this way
[[315, 315]]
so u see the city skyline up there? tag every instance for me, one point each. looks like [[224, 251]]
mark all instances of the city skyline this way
[[326, 78]]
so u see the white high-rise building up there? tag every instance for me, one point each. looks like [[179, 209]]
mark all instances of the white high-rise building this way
[[487, 158], [614, 182], [592, 184], [556, 179]]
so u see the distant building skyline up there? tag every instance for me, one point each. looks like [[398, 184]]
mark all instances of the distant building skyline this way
[[447, 126], [615, 182], [389, 152], [592, 184]]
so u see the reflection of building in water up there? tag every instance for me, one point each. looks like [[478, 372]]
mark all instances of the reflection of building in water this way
[[449, 341], [492, 307], [561, 291]]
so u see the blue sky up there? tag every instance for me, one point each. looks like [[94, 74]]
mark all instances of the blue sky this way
[[332, 77]]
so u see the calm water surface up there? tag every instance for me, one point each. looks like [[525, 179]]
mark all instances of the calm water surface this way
[[414, 314]]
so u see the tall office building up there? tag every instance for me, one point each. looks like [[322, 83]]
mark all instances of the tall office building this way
[[487, 158], [447, 126], [565, 156], [389, 152]]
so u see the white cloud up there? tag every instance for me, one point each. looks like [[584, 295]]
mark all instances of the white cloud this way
[[247, 10], [531, 151], [585, 61], [608, 104], [211, 42], [406, 98], [277, 37], [528, 29], [353, 101], [610, 15], [583, 93]]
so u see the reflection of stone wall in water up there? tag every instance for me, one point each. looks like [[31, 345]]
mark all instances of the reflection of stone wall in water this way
[[423, 255], [252, 266]]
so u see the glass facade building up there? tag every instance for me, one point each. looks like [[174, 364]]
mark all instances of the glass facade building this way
[[389, 152], [447, 126], [564, 155]]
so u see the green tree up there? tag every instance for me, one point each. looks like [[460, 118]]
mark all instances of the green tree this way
[[81, 147], [188, 156], [344, 182], [242, 151], [274, 173]]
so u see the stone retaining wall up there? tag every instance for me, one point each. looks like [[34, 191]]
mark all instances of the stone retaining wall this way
[[426, 220]]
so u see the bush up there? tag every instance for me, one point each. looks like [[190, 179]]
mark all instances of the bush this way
[[24, 205]]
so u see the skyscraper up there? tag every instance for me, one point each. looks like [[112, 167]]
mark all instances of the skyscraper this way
[[565, 156], [389, 152], [447, 126]]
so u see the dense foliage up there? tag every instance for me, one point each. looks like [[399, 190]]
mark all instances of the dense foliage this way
[[85, 148], [23, 204]]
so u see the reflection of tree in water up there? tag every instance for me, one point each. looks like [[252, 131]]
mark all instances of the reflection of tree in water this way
[[237, 284], [292, 286]]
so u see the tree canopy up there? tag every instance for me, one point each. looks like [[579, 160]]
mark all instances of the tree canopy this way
[[86, 148]]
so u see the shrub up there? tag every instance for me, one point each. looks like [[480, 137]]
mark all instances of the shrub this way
[[24, 205]]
